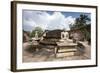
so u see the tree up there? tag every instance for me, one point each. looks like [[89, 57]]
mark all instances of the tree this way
[[26, 36], [38, 30], [82, 23]]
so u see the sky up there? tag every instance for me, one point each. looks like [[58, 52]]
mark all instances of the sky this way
[[48, 20]]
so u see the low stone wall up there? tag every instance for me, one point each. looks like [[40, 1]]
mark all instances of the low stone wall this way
[[85, 49]]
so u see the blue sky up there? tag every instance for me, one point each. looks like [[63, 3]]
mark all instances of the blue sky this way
[[49, 20], [73, 14]]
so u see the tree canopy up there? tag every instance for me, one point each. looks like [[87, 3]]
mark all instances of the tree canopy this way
[[83, 23], [39, 31]]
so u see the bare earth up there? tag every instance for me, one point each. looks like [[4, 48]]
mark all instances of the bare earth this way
[[44, 54]]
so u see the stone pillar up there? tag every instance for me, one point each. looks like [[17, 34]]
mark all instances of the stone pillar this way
[[36, 35]]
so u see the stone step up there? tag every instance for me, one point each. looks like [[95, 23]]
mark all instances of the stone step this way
[[67, 50], [65, 54]]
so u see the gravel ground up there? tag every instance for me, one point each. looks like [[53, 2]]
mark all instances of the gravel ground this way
[[44, 54]]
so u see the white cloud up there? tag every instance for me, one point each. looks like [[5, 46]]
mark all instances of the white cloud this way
[[57, 21], [70, 20], [46, 21]]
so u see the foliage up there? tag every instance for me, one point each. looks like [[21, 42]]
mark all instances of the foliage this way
[[26, 35], [82, 23], [38, 30]]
